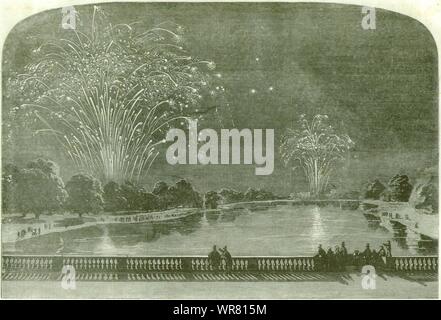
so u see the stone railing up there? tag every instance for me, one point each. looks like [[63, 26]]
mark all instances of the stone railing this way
[[419, 263], [192, 264]]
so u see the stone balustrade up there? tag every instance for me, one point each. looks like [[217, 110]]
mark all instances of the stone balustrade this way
[[420, 263], [193, 264]]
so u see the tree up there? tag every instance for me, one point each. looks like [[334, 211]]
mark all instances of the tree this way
[[399, 188], [9, 182], [374, 189], [211, 199], [258, 195], [171, 197], [230, 195], [316, 148], [113, 198], [179, 194], [186, 195], [46, 166], [39, 188], [424, 195], [149, 201], [108, 91], [131, 192], [160, 188], [85, 194]]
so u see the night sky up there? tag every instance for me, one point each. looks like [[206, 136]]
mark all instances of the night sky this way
[[278, 61]]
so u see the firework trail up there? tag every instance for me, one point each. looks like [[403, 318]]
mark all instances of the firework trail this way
[[109, 93], [316, 148]]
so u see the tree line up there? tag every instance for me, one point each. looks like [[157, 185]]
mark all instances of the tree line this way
[[38, 188]]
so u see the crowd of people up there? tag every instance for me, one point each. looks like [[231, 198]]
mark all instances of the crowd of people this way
[[336, 259], [339, 258], [32, 231], [220, 257]]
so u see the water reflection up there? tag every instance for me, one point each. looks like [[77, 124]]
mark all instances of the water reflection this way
[[132, 234], [408, 240], [281, 230], [317, 225]]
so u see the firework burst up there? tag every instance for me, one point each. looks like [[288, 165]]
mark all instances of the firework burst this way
[[316, 148], [109, 92]]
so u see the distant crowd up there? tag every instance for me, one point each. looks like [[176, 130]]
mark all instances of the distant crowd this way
[[339, 258], [31, 231]]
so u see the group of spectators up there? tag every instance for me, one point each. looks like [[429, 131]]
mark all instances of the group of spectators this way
[[220, 257], [339, 258], [32, 231], [325, 260]]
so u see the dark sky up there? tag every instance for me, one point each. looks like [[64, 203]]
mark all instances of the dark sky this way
[[280, 60], [381, 84]]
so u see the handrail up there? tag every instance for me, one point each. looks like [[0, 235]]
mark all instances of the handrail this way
[[196, 263]]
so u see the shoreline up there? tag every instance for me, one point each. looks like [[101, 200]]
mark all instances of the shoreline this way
[[380, 209], [403, 214], [48, 226]]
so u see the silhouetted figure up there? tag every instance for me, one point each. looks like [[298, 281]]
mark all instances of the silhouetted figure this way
[[226, 256], [375, 258], [344, 251], [356, 258], [338, 259], [382, 251], [214, 258], [388, 248], [344, 254], [320, 258], [381, 262], [321, 251], [367, 253], [330, 257]]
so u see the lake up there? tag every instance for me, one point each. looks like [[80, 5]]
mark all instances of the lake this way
[[280, 230]]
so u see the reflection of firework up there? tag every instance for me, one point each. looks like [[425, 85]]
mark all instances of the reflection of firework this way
[[109, 94]]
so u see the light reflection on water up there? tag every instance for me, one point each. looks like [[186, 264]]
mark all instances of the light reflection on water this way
[[317, 230], [281, 230]]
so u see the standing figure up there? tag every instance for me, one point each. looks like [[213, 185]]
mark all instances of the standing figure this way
[[344, 254], [330, 257], [338, 258], [388, 247], [226, 256], [344, 251], [367, 254], [214, 258], [321, 258]]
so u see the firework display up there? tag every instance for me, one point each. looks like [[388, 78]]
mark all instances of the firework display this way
[[109, 93], [224, 150]]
